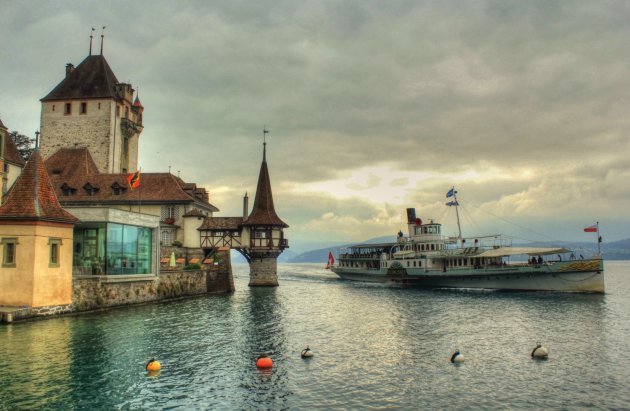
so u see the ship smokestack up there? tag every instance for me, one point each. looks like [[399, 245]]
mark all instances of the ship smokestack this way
[[411, 216]]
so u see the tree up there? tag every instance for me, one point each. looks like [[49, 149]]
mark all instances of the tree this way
[[23, 143]]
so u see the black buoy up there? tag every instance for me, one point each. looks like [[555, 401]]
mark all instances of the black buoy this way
[[306, 353], [540, 352], [457, 357]]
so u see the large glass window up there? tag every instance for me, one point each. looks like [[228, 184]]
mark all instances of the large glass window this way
[[113, 249]]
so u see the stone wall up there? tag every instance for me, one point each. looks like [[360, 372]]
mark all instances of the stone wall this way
[[263, 272], [100, 292], [60, 130]]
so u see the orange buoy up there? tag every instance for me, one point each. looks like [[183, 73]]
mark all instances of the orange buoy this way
[[153, 365], [264, 362]]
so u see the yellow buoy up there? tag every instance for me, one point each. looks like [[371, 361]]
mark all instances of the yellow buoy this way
[[153, 365]]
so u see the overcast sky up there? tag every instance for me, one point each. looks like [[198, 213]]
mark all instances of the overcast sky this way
[[372, 106]]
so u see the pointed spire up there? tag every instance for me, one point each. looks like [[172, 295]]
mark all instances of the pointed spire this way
[[91, 38], [265, 131], [263, 211], [33, 197], [102, 37]]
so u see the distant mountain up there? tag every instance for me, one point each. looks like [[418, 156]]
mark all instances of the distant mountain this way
[[283, 258], [321, 255], [617, 250]]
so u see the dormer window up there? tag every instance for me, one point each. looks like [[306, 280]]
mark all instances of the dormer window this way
[[90, 189], [67, 190], [117, 189]]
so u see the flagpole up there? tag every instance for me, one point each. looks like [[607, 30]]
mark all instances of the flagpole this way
[[459, 227], [598, 241], [139, 190]]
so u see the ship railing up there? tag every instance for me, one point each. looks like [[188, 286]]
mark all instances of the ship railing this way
[[360, 256]]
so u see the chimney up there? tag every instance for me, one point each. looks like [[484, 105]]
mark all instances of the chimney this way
[[69, 69], [245, 206]]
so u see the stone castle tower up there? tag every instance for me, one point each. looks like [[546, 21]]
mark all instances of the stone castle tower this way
[[91, 102], [265, 232]]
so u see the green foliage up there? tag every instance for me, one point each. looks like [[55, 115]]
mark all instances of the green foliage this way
[[23, 143], [192, 267], [177, 243]]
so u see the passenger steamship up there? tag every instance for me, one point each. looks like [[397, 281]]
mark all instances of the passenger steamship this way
[[426, 258]]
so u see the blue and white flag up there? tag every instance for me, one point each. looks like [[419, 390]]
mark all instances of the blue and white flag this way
[[452, 203], [450, 193]]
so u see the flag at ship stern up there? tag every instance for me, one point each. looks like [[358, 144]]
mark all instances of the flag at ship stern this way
[[331, 261]]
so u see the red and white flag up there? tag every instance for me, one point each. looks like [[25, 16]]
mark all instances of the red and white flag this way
[[591, 229], [331, 260]]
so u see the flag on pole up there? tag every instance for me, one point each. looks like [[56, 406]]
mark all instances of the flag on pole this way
[[331, 260], [591, 229], [133, 180], [452, 203], [450, 193]]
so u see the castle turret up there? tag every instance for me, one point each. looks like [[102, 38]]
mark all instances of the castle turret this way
[[265, 239], [35, 242]]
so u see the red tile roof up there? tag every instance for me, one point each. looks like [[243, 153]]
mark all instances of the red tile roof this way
[[221, 223], [263, 211], [32, 196], [76, 181]]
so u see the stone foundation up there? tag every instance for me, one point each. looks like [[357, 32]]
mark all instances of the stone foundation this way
[[263, 272], [100, 292]]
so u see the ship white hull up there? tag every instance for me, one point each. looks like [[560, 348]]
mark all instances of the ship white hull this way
[[569, 276]]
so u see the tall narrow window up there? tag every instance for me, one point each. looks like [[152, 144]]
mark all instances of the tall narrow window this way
[[68, 109], [54, 244], [83, 107], [9, 246]]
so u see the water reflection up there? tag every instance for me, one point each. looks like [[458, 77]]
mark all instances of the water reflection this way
[[263, 331], [374, 346], [35, 363]]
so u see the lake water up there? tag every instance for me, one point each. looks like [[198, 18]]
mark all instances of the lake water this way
[[375, 347]]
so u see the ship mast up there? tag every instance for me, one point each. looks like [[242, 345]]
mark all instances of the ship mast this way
[[459, 227], [453, 193]]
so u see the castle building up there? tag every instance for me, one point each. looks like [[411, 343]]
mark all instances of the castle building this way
[[90, 127], [90, 108]]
